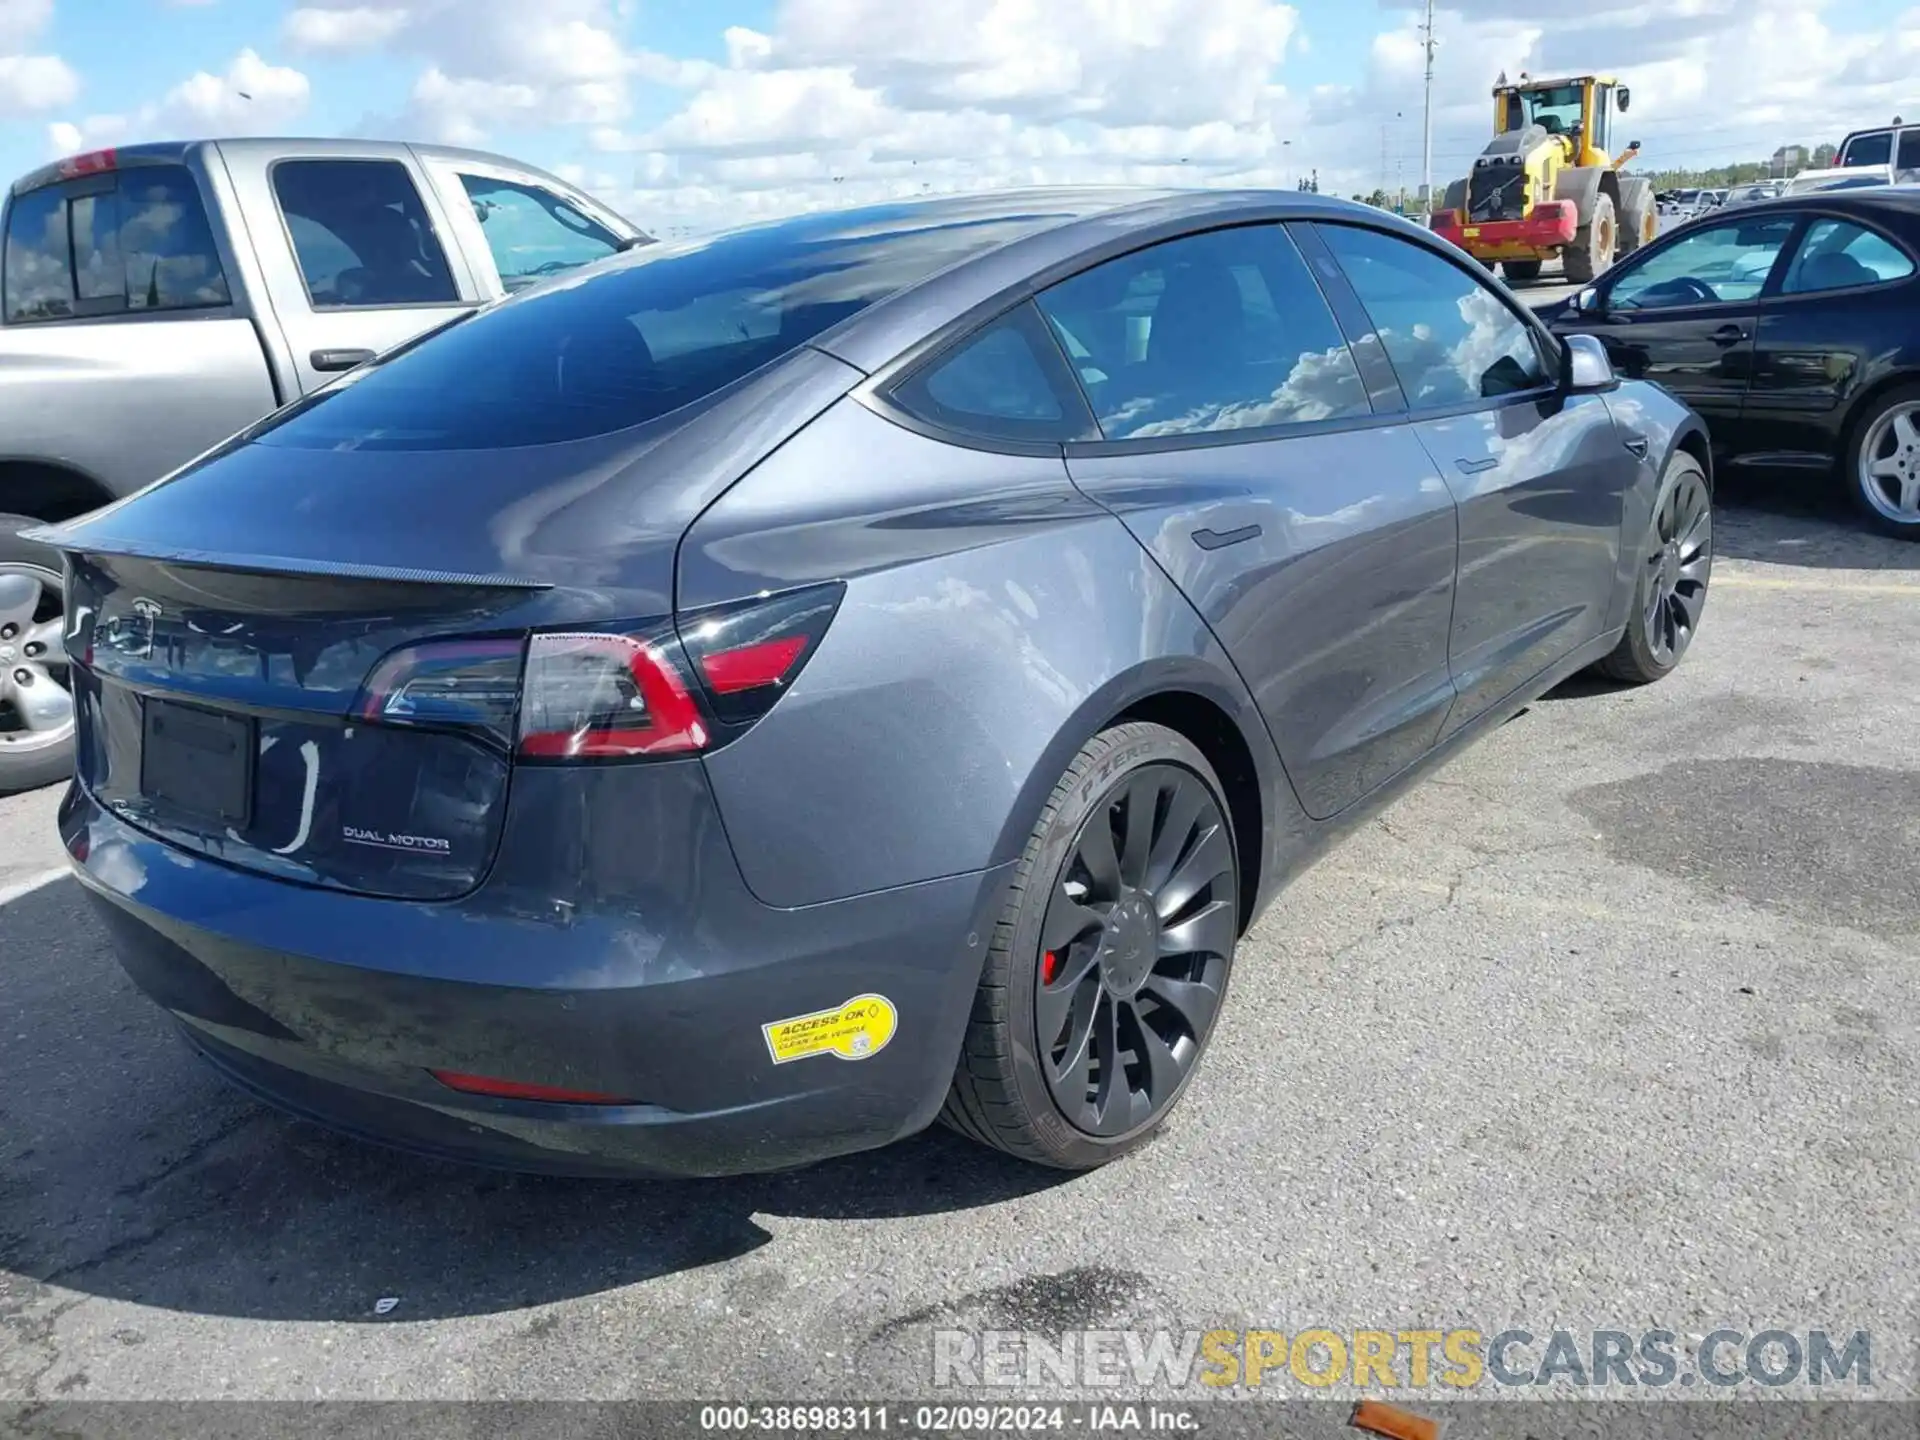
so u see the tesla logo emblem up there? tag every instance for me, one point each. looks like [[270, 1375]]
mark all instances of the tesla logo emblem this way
[[133, 633]]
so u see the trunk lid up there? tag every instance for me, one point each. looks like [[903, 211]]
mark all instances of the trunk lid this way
[[215, 710], [223, 622]]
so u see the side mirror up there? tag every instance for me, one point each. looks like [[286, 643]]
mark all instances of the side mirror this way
[[1621, 97], [1587, 371], [1587, 302]]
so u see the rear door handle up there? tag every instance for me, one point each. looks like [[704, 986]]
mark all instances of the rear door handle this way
[[1474, 467], [1728, 335], [330, 360]]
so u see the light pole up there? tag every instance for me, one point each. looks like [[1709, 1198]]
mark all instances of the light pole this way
[[1426, 119]]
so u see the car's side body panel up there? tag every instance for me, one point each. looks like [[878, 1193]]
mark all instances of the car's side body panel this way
[[994, 619], [1540, 484], [1325, 564]]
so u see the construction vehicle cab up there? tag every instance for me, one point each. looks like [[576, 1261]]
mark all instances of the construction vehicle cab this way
[[1549, 185]]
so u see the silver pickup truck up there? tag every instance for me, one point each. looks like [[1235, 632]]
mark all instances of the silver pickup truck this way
[[157, 298]]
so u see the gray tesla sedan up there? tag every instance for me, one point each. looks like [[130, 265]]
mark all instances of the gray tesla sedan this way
[[751, 697]]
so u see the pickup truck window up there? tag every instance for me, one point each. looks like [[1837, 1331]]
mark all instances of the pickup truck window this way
[[39, 267], [361, 234], [1874, 148], [533, 232], [137, 241]]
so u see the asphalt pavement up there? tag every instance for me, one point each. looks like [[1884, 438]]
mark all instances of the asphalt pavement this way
[[1611, 1023]]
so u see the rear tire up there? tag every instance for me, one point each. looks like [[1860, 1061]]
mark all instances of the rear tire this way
[[1886, 427], [1593, 243], [1115, 965], [1675, 567], [27, 760], [1520, 272]]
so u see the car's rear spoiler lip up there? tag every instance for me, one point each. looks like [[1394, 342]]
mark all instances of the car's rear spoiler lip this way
[[68, 537]]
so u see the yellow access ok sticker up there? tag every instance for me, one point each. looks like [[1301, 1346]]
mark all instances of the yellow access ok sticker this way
[[853, 1031]]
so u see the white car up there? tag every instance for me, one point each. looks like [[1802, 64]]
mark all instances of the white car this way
[[1850, 177]]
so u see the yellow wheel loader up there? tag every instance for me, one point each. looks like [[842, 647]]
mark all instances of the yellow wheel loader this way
[[1547, 186]]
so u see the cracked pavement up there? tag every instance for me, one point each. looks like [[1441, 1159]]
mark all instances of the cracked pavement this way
[[1609, 1024]]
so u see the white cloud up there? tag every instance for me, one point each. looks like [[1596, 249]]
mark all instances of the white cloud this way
[[251, 98], [491, 62], [28, 82], [360, 27]]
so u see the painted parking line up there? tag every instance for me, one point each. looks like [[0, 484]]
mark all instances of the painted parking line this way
[[1737, 581], [10, 893]]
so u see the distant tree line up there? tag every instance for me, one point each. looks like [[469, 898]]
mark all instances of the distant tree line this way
[[1787, 161]]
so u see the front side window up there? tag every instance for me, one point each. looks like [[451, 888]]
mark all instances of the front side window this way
[[1451, 339], [1836, 255], [361, 234], [1216, 332], [1909, 158], [533, 233], [1875, 148], [999, 383], [136, 241], [1718, 265]]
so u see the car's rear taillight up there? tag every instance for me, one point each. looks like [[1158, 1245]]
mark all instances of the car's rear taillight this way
[[448, 684], [594, 695], [583, 695], [747, 655]]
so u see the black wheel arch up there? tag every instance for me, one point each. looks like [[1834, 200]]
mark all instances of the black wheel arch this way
[[1860, 409], [48, 491], [1202, 702]]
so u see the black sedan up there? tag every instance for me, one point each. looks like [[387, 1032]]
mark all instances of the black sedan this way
[[1793, 329]]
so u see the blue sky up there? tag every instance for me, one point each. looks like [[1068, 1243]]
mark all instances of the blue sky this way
[[699, 111]]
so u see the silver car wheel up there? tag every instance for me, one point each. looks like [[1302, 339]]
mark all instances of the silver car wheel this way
[[1890, 464], [36, 698]]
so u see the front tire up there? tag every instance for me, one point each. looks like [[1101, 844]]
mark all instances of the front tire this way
[[1676, 564], [1109, 965], [1639, 216], [1883, 464], [36, 697], [1593, 244]]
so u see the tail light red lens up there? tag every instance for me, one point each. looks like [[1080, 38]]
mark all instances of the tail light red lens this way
[[594, 695], [748, 655]]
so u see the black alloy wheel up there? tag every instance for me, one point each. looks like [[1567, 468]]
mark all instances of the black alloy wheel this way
[[1676, 566], [1680, 554], [1134, 950], [1110, 962]]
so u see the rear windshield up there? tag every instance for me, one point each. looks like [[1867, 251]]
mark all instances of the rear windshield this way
[[631, 339]]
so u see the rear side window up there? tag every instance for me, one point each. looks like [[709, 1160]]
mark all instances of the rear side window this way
[[361, 234], [139, 240], [39, 263], [1207, 333], [1836, 255], [634, 338], [1871, 149], [1451, 339], [1002, 382]]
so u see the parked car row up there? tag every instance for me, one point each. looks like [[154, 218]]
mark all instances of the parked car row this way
[[1792, 326], [159, 298]]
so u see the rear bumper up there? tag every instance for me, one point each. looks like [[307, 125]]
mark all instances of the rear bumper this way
[[1552, 223], [614, 949]]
